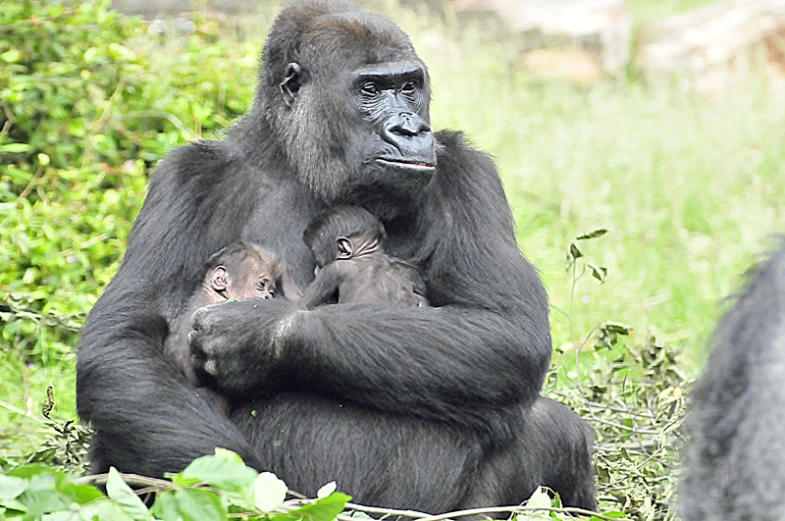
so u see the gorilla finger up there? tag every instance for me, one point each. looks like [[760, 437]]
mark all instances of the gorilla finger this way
[[202, 319], [198, 359], [195, 342], [211, 368]]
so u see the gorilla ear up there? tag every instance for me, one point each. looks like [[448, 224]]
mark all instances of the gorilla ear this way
[[293, 80], [219, 279], [345, 248]]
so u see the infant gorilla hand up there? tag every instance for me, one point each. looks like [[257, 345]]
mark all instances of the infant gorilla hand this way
[[239, 347]]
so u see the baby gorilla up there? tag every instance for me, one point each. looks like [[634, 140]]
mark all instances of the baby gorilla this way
[[241, 271], [351, 265]]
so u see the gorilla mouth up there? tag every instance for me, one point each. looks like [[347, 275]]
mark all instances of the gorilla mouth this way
[[415, 165]]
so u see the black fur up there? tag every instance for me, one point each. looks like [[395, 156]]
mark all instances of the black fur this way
[[735, 462], [417, 407], [322, 232], [348, 244]]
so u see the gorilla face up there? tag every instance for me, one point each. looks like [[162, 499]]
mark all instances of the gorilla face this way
[[355, 107], [389, 98]]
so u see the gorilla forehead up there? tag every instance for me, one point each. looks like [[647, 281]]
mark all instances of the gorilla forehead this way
[[355, 39], [332, 35]]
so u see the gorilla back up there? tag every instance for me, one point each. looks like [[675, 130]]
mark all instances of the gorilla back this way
[[402, 406], [736, 457]]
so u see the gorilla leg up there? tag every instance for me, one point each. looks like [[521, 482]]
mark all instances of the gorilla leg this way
[[379, 459], [554, 450]]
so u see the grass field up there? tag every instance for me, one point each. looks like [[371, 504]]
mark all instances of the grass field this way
[[690, 189]]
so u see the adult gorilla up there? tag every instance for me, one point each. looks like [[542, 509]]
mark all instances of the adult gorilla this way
[[429, 408], [736, 457]]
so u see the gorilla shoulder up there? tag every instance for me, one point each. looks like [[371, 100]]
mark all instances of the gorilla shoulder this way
[[204, 162]]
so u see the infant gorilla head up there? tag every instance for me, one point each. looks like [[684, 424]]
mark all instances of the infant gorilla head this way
[[241, 271], [351, 264]]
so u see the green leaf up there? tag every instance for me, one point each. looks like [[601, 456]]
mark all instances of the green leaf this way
[[165, 506], [11, 56], [80, 494], [11, 487], [539, 499], [40, 496], [326, 509], [104, 510], [199, 505], [15, 148], [180, 479], [225, 470], [124, 497], [269, 492], [599, 232], [326, 490], [598, 272], [227, 454], [12, 504]]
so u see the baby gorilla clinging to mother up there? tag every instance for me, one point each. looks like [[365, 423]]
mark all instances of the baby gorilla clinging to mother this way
[[351, 267], [351, 264], [241, 271]]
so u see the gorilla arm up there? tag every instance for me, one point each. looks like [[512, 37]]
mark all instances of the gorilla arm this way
[[149, 419], [450, 363], [324, 286], [486, 347]]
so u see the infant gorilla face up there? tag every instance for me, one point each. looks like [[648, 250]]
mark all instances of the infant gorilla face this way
[[244, 280]]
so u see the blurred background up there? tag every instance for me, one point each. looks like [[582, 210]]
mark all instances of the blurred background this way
[[658, 125]]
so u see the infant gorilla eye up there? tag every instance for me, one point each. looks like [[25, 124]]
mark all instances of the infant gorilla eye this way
[[370, 88], [261, 284]]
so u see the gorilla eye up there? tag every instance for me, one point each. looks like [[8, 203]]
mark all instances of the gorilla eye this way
[[410, 86], [370, 88], [260, 284]]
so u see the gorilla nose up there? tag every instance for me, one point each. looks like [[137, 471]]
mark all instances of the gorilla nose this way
[[405, 125], [412, 137]]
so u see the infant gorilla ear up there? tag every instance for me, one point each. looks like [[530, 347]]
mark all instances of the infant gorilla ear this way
[[348, 244], [239, 272]]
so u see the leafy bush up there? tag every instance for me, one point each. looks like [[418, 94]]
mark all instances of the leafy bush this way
[[90, 103], [209, 489]]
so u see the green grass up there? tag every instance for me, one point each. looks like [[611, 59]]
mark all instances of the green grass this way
[[644, 11], [690, 188]]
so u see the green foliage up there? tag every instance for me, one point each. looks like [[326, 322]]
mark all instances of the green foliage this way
[[210, 489], [87, 110]]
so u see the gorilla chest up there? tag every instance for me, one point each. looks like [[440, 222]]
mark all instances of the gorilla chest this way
[[276, 223]]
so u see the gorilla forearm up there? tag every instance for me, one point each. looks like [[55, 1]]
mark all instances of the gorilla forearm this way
[[438, 362], [138, 402], [450, 362]]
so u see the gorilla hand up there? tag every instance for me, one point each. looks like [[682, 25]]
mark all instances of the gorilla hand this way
[[239, 346]]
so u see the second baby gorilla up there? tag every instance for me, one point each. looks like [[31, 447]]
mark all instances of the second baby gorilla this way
[[351, 264]]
